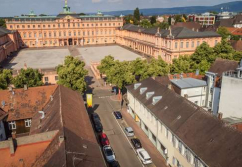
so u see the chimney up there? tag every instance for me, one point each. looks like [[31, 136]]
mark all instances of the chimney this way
[[14, 134], [11, 146], [220, 116], [25, 87]]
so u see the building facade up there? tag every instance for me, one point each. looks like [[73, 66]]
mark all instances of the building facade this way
[[184, 134], [168, 44], [204, 19], [65, 29], [8, 43]]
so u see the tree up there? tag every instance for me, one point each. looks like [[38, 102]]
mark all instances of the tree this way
[[29, 77], [139, 68], [128, 19], [224, 32], [145, 23], [106, 64], [237, 56], [120, 74], [43, 15], [137, 14], [72, 74], [213, 12], [203, 52], [158, 67], [5, 78], [169, 20], [153, 20], [182, 65], [2, 23], [163, 25], [178, 18], [224, 50]]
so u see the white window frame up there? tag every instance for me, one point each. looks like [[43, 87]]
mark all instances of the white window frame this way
[[27, 123], [12, 125]]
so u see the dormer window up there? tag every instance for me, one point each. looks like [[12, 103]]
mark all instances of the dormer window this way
[[156, 99], [136, 85], [142, 90], [149, 94]]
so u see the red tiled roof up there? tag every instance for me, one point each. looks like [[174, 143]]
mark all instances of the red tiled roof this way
[[24, 104], [27, 153], [235, 31]]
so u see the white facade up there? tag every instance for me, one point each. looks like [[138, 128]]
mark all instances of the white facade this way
[[2, 131], [175, 152], [196, 95], [231, 96]]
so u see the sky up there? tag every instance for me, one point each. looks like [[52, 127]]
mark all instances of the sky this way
[[53, 7]]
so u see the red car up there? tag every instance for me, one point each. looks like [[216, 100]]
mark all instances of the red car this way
[[103, 139]]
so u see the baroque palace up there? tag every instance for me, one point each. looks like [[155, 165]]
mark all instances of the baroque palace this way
[[69, 28]]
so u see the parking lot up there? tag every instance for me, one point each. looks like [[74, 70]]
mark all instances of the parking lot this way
[[39, 58], [97, 53]]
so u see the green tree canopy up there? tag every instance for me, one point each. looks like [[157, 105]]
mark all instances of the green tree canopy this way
[[203, 52], [29, 77], [158, 67], [106, 64], [237, 56], [5, 78], [140, 69], [153, 20], [163, 25], [224, 32], [72, 74], [120, 74], [145, 23], [2, 23], [224, 50], [137, 14], [182, 65]]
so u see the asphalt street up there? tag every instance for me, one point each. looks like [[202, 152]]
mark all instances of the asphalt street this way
[[119, 142]]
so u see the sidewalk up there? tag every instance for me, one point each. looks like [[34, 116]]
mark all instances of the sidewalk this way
[[156, 157]]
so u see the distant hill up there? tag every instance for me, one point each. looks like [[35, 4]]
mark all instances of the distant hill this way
[[230, 6]]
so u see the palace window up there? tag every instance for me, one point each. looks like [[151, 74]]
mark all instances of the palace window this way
[[60, 34], [27, 122], [50, 44], [97, 25], [53, 25], [44, 26], [54, 34], [97, 32], [187, 45], [69, 33], [49, 26], [88, 33], [79, 33], [24, 35], [30, 35], [78, 24], [83, 25], [28, 26], [216, 42], [69, 25], [59, 25], [33, 26], [17, 26], [38, 26], [92, 32], [110, 32], [198, 43], [63, 25], [181, 44], [30, 43], [35, 35], [23, 26], [109, 24], [56, 78], [12, 125], [74, 33], [192, 44], [49, 34], [83, 33], [64, 34], [113, 24], [175, 45], [87, 25], [92, 25], [101, 24], [101, 32]]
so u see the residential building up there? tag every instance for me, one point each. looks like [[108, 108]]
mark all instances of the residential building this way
[[65, 29], [60, 135], [192, 89], [234, 122], [204, 19], [21, 105], [184, 133], [225, 15], [8, 43], [214, 79], [169, 44], [237, 45], [3, 116], [235, 22], [230, 97]]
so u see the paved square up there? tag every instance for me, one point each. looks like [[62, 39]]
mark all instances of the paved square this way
[[97, 53], [47, 58]]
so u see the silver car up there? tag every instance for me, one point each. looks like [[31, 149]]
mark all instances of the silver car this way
[[129, 131], [109, 154]]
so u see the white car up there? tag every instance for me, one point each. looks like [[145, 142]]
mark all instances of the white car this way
[[109, 154], [129, 131], [144, 156]]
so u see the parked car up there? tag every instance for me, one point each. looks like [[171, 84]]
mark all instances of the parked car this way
[[95, 117], [118, 115], [98, 126], [144, 156], [114, 164], [108, 153], [136, 143], [103, 139], [129, 131]]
